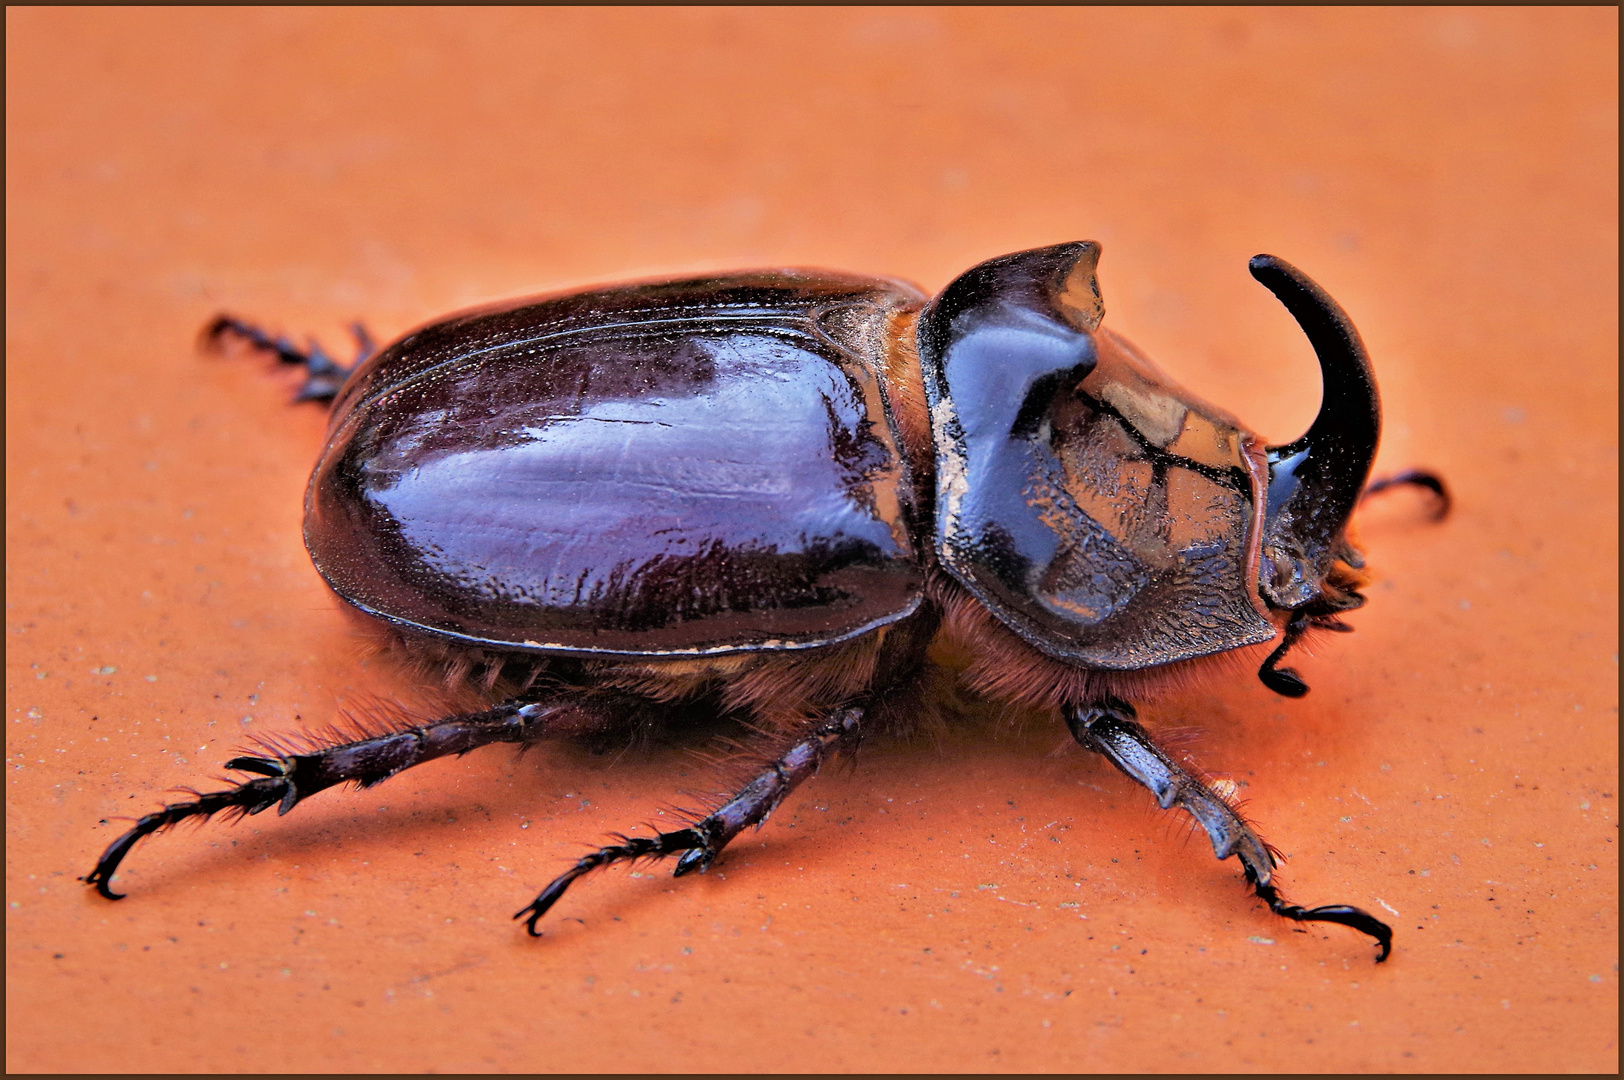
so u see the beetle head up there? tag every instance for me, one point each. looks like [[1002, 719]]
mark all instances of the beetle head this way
[[1106, 515], [1315, 481]]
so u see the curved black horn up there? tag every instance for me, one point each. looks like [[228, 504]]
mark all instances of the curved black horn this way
[[1315, 481]]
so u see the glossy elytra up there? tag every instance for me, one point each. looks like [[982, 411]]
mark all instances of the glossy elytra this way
[[766, 494]]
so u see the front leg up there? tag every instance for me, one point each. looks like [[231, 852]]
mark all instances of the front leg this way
[[704, 840], [1421, 478], [1109, 727]]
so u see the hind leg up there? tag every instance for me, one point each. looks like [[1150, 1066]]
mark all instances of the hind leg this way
[[286, 780], [324, 376], [703, 841]]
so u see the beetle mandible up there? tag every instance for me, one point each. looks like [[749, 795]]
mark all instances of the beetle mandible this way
[[767, 493]]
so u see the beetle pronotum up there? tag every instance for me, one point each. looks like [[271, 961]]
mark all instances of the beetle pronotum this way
[[767, 493]]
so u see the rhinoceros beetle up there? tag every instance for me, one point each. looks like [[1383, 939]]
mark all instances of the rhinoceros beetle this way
[[767, 493]]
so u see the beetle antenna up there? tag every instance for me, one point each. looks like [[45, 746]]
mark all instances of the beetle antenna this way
[[1285, 681]]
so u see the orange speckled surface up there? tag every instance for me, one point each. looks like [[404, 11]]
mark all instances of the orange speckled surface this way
[[979, 904]]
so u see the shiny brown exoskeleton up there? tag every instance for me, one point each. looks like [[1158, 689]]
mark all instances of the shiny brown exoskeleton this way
[[766, 494]]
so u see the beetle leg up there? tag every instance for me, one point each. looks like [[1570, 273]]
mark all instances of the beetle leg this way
[[324, 376], [1417, 478], [365, 347], [1109, 727], [286, 780], [704, 840]]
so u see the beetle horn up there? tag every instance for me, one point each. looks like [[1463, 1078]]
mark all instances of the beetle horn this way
[[1315, 481]]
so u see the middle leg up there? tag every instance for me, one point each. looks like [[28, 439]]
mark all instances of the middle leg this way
[[700, 843]]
